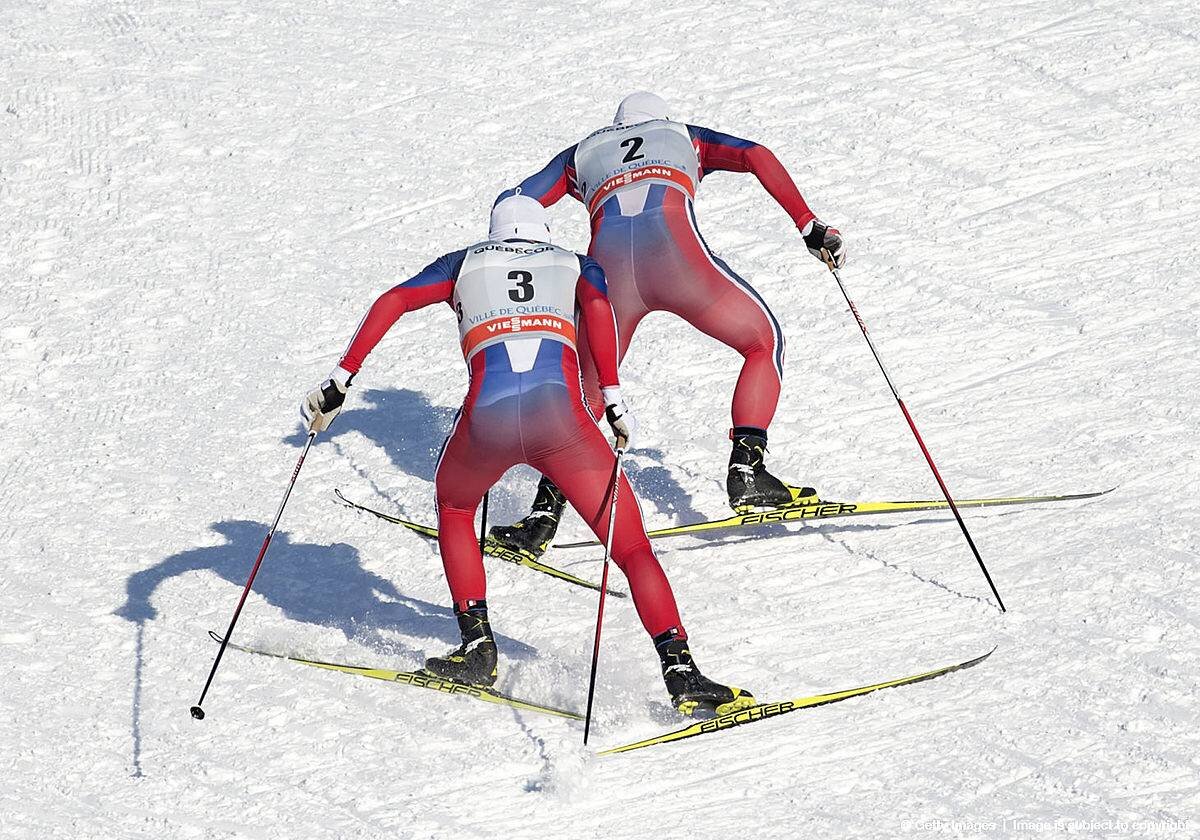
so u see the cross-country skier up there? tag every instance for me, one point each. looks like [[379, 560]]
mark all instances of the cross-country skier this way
[[517, 297], [637, 178]]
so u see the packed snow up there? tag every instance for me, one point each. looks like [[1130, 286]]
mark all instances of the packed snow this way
[[198, 201]]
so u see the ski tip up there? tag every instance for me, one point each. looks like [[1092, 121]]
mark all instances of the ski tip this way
[[1091, 495], [976, 660]]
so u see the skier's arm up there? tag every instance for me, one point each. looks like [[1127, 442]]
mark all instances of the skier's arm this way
[[556, 179], [434, 284], [733, 154], [727, 153], [596, 311], [592, 296]]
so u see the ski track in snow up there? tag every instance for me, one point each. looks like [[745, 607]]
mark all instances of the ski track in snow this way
[[198, 201]]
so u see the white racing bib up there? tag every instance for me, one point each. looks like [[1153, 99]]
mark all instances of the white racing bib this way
[[626, 159], [517, 293]]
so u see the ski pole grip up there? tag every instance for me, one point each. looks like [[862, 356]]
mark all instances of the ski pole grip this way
[[828, 257]]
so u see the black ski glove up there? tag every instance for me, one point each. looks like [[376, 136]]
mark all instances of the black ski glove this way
[[820, 236]]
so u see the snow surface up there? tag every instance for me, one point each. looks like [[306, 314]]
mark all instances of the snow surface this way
[[198, 201]]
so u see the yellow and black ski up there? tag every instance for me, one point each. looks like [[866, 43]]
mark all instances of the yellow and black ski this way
[[419, 679], [769, 710], [491, 549], [813, 510]]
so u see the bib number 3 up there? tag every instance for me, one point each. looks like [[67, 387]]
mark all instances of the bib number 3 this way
[[524, 291]]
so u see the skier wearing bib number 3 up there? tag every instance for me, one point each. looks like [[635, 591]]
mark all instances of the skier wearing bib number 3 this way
[[637, 179], [517, 297]]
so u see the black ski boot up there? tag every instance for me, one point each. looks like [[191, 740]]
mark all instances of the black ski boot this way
[[474, 661], [692, 693], [532, 535], [748, 483]]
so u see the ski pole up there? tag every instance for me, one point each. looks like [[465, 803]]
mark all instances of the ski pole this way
[[612, 519], [912, 425], [197, 710]]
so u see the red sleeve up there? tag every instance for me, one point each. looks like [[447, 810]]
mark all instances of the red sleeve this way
[[435, 284], [592, 296], [732, 154]]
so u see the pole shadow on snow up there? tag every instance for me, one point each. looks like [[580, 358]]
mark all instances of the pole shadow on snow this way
[[829, 531], [323, 585], [136, 725]]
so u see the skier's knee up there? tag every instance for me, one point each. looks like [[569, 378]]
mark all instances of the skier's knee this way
[[763, 347]]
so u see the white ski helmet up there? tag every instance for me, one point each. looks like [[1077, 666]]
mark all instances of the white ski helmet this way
[[520, 217], [640, 106]]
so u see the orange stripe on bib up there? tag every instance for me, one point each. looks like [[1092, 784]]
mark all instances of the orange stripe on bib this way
[[657, 173], [515, 326]]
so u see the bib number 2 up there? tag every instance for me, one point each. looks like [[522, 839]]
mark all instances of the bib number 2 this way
[[632, 144]]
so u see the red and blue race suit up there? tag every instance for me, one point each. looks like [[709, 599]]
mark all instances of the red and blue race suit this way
[[638, 182], [519, 305]]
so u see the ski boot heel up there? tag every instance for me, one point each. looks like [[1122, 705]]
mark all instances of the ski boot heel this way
[[803, 496], [704, 708]]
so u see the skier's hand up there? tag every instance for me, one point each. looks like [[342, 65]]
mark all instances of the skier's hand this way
[[324, 402], [821, 239], [620, 418]]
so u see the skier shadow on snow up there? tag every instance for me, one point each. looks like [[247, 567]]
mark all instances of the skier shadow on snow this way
[[324, 585], [411, 430], [316, 584], [400, 421], [655, 484]]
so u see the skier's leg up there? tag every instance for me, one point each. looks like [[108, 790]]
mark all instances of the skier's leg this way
[[465, 471], [584, 472], [719, 303], [463, 475]]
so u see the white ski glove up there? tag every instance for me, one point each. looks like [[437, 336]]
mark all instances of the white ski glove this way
[[820, 237], [324, 402], [620, 418]]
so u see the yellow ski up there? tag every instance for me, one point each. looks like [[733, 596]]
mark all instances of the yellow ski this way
[[830, 510], [418, 679], [490, 549], [769, 710]]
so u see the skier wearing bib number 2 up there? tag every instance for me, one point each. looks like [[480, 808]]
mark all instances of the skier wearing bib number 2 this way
[[517, 299], [637, 178]]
